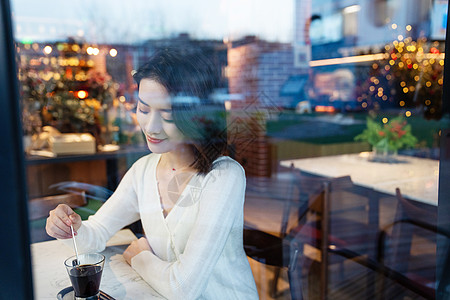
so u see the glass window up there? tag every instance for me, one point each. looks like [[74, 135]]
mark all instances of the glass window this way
[[334, 110]]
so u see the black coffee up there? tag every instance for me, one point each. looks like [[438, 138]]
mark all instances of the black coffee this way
[[86, 280]]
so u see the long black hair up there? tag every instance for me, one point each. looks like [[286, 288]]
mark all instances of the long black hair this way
[[190, 79]]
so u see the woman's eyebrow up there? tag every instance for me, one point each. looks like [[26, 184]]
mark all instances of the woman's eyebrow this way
[[143, 102]]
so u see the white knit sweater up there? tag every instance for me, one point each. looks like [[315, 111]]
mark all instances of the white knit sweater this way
[[198, 248]]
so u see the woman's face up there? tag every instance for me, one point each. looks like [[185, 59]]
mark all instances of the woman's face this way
[[154, 115]]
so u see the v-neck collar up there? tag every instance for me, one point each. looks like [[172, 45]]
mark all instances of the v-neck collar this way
[[181, 196]]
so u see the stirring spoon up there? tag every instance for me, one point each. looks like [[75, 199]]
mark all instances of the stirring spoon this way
[[77, 261]]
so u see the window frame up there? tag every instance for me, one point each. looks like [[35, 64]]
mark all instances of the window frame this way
[[15, 261]]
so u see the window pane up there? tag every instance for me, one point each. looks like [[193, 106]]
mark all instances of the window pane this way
[[334, 111]]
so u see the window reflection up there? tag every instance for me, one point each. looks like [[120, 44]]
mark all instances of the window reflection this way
[[339, 91]]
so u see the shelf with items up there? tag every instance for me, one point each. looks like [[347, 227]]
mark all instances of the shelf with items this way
[[65, 85]]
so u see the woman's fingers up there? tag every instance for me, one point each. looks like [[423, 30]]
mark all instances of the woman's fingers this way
[[143, 244], [59, 221], [129, 253], [76, 221], [135, 248], [56, 232]]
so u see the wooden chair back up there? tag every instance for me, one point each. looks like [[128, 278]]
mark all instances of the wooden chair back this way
[[39, 208]]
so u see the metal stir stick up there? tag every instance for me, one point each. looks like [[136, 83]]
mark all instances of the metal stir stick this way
[[77, 261]]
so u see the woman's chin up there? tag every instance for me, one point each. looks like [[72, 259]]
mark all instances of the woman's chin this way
[[156, 149], [159, 148]]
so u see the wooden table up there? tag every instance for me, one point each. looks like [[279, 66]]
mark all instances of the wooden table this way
[[119, 280], [416, 177]]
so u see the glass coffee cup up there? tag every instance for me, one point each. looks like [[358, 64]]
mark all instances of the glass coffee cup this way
[[86, 275]]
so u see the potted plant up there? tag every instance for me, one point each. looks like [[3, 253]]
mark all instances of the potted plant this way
[[386, 139]]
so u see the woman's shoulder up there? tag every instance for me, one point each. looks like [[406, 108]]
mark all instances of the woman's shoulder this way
[[228, 165], [225, 172]]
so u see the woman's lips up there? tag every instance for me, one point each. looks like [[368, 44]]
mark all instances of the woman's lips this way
[[155, 141]]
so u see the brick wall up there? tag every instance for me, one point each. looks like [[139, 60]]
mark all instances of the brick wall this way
[[256, 70]]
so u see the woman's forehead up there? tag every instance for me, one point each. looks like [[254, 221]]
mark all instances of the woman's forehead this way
[[153, 93]]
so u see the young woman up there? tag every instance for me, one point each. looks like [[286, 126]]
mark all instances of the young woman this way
[[188, 196]]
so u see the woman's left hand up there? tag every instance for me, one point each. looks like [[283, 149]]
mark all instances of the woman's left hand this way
[[135, 248]]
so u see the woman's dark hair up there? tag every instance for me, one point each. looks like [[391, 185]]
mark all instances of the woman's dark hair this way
[[190, 79]]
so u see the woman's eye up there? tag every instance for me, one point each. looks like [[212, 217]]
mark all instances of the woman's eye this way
[[143, 109], [167, 116]]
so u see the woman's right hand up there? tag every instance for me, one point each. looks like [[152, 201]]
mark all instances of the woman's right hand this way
[[59, 221]]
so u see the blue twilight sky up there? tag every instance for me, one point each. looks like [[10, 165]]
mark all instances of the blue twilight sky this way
[[120, 21]]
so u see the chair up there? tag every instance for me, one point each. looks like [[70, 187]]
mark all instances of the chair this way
[[392, 274], [84, 198], [341, 225], [267, 248], [407, 246], [307, 194], [39, 208]]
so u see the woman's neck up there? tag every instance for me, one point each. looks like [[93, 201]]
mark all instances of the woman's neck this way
[[179, 159]]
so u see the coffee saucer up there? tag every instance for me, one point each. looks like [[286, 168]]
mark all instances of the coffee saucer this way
[[68, 294]]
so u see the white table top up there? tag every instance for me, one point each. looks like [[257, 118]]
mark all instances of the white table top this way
[[119, 280], [417, 178]]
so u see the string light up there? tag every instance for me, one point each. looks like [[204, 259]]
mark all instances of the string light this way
[[48, 49], [408, 114], [113, 52], [75, 48], [82, 94]]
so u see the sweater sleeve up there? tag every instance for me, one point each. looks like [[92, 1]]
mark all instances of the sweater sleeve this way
[[221, 203], [118, 211]]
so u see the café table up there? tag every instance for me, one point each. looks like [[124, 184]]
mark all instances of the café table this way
[[119, 280], [416, 177]]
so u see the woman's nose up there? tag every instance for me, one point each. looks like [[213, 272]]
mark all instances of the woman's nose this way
[[154, 122]]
